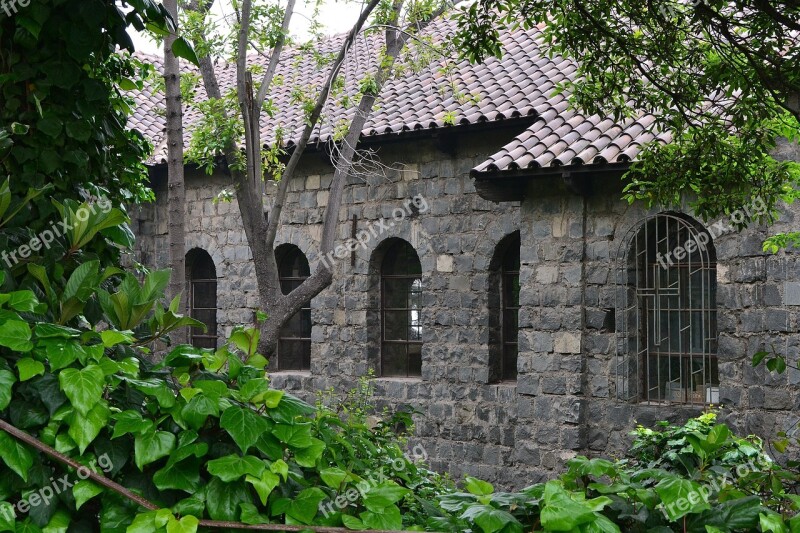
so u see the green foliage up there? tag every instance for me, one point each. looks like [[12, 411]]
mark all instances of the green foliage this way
[[695, 478], [720, 77]]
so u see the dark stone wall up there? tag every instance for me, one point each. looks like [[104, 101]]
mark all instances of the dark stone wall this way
[[564, 401]]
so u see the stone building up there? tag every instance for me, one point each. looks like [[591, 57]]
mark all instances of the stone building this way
[[500, 287]]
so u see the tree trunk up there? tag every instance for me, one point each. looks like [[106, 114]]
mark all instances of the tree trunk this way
[[177, 192]]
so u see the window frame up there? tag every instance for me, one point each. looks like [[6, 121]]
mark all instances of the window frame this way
[[409, 309], [290, 253]]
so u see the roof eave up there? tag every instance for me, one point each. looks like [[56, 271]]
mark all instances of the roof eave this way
[[510, 185]]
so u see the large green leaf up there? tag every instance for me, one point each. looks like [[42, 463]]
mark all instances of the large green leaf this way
[[7, 380], [83, 491], [389, 518], [243, 425], [681, 497], [16, 335], [184, 475], [85, 428], [295, 436], [384, 495], [152, 446], [562, 513], [198, 409], [223, 499], [232, 467], [29, 368], [84, 387], [15, 455], [264, 484]]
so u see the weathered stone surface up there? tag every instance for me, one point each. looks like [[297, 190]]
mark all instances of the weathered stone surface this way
[[565, 398]]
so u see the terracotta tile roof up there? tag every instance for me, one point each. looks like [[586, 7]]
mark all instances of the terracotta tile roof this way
[[520, 84]]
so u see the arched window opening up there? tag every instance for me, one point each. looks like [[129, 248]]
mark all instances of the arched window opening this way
[[201, 290], [401, 311], [504, 309], [670, 315], [294, 340]]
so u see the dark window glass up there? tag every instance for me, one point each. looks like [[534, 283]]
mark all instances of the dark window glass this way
[[201, 286], [401, 312], [510, 305], [294, 341]]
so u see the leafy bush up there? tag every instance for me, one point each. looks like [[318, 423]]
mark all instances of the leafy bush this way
[[697, 477]]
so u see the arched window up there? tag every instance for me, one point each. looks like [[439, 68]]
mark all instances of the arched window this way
[[294, 340], [670, 315], [201, 289], [401, 311], [504, 309]]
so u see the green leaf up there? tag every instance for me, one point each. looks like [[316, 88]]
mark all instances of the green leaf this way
[[184, 476], [181, 48], [84, 387], [15, 455], [84, 491], [29, 368], [243, 425], [7, 380], [772, 521], [7, 515], [232, 467], [16, 335], [478, 487], [295, 436], [198, 409], [681, 497], [562, 513], [280, 467], [187, 524], [264, 484], [223, 499], [83, 281], [387, 519], [351, 522], [305, 505], [84, 428], [384, 495], [130, 422], [150, 521], [62, 352], [24, 301], [250, 515], [111, 338], [333, 477], [152, 446]]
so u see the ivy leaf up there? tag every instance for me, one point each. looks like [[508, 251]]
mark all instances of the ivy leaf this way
[[84, 387], [391, 519], [187, 524], [84, 491], [295, 436], [152, 446], [184, 476], [223, 499], [7, 380], [243, 425], [16, 335], [263, 484], [7, 515], [305, 505], [675, 494], [308, 456], [478, 487], [232, 467], [198, 409], [84, 428], [15, 455], [29, 368], [130, 422]]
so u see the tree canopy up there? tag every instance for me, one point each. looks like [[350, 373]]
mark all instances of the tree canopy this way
[[723, 77]]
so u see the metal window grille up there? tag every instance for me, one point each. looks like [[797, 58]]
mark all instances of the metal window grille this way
[[294, 338], [202, 297], [667, 321], [401, 312]]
